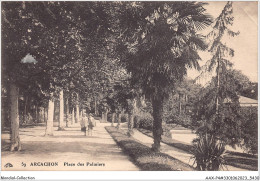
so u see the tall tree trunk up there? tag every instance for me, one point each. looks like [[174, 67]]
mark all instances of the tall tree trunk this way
[[95, 102], [77, 110], [44, 114], [105, 115], [6, 103], [36, 114], [130, 124], [113, 119], [61, 117], [217, 96], [3, 117], [67, 113], [81, 114], [25, 108], [82, 124], [77, 114], [157, 105], [49, 123], [73, 116], [216, 123], [15, 138], [131, 116], [28, 110], [119, 120], [180, 99]]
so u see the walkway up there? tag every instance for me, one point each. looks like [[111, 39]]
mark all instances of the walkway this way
[[174, 152], [69, 148]]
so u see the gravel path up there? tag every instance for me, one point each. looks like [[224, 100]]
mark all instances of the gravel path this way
[[70, 149]]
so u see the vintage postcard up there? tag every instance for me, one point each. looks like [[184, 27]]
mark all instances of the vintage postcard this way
[[130, 86]]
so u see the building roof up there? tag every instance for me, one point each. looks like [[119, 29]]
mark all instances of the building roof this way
[[245, 101]]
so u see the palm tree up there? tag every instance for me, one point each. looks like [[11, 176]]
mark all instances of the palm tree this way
[[161, 41]]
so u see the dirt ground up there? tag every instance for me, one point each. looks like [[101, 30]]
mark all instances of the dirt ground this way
[[66, 150]]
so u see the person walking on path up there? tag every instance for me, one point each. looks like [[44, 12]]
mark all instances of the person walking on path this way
[[85, 124]]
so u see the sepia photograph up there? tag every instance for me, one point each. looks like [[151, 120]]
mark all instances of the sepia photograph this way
[[129, 86]]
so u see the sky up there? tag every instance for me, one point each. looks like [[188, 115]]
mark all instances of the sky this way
[[245, 44]]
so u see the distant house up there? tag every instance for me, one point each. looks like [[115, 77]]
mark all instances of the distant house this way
[[247, 102], [243, 101]]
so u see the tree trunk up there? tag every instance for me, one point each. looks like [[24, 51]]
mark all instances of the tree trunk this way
[[15, 138], [67, 113], [40, 114], [77, 110], [49, 124], [44, 114], [157, 105], [61, 117], [113, 119], [25, 109], [180, 99], [216, 123], [81, 114], [217, 96], [82, 124], [130, 124], [73, 116], [95, 102], [36, 114], [106, 112], [77, 114], [119, 120], [28, 110], [3, 117], [131, 116], [103, 117]]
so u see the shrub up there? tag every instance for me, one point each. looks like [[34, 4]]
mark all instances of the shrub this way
[[146, 123], [249, 130], [180, 119], [208, 153]]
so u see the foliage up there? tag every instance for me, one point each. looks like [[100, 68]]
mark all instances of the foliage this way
[[230, 125], [159, 51], [158, 42], [249, 129], [179, 107], [218, 108], [240, 160], [208, 153], [218, 48], [146, 121], [143, 157], [68, 41]]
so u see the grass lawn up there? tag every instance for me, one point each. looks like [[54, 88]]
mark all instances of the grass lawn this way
[[143, 157], [240, 160]]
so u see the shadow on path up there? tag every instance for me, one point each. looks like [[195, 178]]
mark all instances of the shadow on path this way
[[70, 145]]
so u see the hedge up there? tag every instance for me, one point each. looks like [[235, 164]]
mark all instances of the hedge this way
[[143, 157]]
